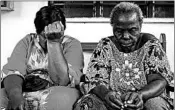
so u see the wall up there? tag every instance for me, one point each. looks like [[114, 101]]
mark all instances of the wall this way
[[16, 24], [93, 32]]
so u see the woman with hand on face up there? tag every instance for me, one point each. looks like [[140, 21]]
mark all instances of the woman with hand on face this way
[[44, 67], [127, 71]]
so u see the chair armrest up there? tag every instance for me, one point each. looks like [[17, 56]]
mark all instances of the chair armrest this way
[[170, 88]]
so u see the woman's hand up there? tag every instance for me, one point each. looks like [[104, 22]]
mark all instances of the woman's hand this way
[[133, 100], [16, 100], [113, 100], [54, 32]]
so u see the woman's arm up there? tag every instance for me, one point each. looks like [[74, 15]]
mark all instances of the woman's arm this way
[[57, 64], [16, 65], [73, 54], [101, 91], [156, 85], [66, 65], [13, 88], [157, 70], [158, 76], [13, 72], [98, 73]]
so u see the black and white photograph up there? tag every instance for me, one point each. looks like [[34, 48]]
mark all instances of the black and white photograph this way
[[87, 55]]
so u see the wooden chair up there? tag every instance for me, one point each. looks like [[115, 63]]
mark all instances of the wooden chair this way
[[162, 39]]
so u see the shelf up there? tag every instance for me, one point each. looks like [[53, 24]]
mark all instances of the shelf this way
[[7, 6]]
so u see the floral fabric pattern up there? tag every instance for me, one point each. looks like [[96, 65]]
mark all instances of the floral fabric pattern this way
[[36, 100], [126, 71], [33, 65]]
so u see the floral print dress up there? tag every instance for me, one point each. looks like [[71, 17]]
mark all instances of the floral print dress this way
[[29, 59], [124, 72]]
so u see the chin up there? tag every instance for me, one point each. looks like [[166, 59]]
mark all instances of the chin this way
[[128, 49]]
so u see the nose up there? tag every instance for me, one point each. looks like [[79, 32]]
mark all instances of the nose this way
[[126, 35]]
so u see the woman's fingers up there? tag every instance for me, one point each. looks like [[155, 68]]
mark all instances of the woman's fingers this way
[[62, 26], [131, 106], [134, 101], [46, 30], [127, 96], [55, 27], [58, 26], [132, 97], [139, 103], [113, 101], [117, 101], [54, 31], [113, 105]]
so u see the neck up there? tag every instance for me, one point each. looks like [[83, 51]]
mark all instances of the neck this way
[[43, 43], [127, 49]]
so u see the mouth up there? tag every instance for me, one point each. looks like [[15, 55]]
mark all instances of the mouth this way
[[126, 44]]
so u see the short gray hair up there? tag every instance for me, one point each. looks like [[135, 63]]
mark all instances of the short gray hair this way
[[125, 7]]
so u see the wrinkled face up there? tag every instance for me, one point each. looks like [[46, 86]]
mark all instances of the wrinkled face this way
[[126, 29]]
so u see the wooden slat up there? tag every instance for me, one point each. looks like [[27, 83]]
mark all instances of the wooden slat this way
[[88, 46], [163, 41]]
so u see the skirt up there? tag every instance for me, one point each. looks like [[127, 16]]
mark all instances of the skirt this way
[[89, 102], [53, 98]]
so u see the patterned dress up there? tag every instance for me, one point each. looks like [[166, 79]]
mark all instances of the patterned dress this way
[[30, 60], [123, 72]]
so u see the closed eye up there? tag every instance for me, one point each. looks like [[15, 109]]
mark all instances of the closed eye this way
[[133, 29]]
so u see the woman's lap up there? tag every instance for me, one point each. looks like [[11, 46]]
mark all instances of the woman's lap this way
[[53, 98], [62, 98], [157, 103], [89, 102], [92, 102]]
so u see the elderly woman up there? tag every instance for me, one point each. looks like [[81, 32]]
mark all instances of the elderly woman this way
[[129, 70], [44, 68]]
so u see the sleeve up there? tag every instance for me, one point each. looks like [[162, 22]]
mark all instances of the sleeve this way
[[75, 60], [98, 68], [17, 61], [156, 62]]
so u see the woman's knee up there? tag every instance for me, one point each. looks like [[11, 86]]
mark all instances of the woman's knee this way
[[156, 103], [90, 102], [62, 98]]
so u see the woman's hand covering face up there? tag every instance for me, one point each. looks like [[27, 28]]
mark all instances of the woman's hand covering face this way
[[54, 32]]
